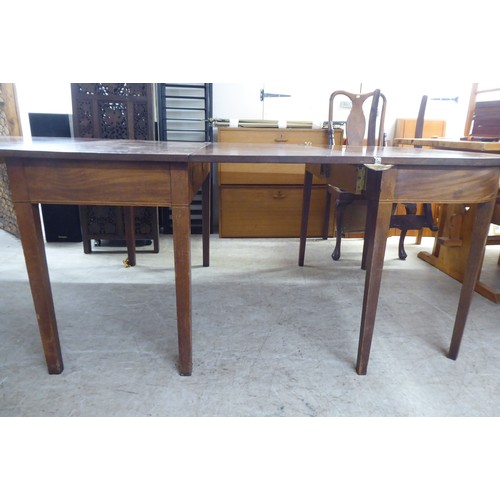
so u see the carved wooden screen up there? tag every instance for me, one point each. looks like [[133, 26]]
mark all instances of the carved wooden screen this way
[[114, 111]]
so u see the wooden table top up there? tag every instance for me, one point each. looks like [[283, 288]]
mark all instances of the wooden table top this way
[[354, 155], [104, 149], [161, 151], [447, 143]]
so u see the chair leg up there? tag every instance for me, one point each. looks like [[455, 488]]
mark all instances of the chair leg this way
[[418, 238], [429, 217], [411, 209], [401, 248], [205, 211], [328, 208], [340, 206], [429, 222], [339, 215]]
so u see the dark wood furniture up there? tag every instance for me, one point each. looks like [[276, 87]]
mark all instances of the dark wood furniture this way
[[412, 220], [348, 191], [116, 111], [483, 117], [481, 133], [454, 234], [345, 186], [133, 173], [406, 127], [103, 172]]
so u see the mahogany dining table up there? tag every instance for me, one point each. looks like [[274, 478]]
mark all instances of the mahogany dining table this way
[[451, 241], [142, 173]]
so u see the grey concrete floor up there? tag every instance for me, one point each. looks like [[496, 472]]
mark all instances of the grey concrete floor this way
[[269, 338]]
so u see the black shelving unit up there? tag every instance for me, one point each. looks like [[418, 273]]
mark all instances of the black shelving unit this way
[[61, 223], [184, 110]]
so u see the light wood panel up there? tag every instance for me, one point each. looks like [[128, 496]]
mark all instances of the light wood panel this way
[[405, 127], [268, 211], [265, 199]]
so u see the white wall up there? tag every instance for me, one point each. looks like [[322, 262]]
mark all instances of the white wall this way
[[308, 101], [42, 97]]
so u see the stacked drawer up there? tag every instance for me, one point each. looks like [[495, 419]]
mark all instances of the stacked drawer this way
[[265, 200]]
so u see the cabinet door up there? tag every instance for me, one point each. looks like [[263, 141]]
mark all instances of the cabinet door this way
[[269, 211]]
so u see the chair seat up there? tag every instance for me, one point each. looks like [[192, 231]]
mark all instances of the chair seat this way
[[413, 221]]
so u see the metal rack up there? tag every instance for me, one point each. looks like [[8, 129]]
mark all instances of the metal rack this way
[[184, 113], [184, 110]]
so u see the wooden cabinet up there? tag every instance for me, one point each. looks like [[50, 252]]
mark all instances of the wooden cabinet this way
[[405, 127], [265, 200]]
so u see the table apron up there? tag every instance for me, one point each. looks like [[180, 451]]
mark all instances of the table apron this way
[[439, 185], [103, 183]]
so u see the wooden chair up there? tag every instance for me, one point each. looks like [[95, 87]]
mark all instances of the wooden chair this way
[[355, 132], [411, 220], [483, 117], [355, 136], [347, 191]]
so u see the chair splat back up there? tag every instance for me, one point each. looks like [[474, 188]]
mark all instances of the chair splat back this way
[[355, 133], [419, 127], [356, 121]]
